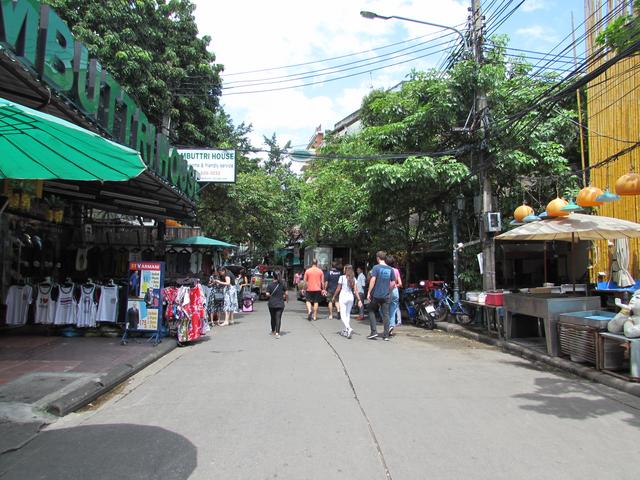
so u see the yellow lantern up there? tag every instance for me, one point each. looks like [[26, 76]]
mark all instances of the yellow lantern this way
[[521, 212], [554, 208], [587, 197], [628, 184]]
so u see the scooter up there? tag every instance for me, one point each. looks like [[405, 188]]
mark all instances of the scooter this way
[[419, 307]]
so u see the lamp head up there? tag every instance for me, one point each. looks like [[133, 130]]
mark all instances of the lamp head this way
[[366, 14]]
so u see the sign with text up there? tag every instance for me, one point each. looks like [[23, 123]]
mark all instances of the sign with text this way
[[217, 166], [144, 305]]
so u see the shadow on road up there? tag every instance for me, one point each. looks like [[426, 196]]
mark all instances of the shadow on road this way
[[103, 451], [569, 398]]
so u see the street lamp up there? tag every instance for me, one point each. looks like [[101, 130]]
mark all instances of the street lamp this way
[[371, 16]]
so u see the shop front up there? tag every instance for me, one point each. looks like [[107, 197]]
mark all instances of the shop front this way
[[87, 182]]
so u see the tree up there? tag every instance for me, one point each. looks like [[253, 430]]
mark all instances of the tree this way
[[431, 114], [623, 31], [152, 48]]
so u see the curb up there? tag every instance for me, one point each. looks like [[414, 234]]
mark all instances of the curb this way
[[101, 384], [557, 362]]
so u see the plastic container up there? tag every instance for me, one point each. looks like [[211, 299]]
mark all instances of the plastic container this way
[[482, 297], [495, 298]]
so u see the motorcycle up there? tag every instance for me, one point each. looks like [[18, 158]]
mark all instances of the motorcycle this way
[[419, 307]]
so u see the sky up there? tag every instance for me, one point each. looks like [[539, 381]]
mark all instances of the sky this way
[[261, 37]]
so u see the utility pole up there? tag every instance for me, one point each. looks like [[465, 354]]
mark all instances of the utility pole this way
[[488, 247]]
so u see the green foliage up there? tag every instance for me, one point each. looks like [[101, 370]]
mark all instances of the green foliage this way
[[622, 32], [152, 48]]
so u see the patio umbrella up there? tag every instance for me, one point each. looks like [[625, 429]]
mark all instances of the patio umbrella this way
[[574, 227], [200, 241], [38, 146]]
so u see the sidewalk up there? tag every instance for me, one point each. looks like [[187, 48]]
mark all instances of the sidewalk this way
[[45, 376], [583, 371]]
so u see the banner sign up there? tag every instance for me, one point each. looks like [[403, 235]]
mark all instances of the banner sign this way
[[217, 166], [144, 300], [44, 44]]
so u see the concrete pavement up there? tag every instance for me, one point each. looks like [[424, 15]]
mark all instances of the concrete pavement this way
[[312, 404]]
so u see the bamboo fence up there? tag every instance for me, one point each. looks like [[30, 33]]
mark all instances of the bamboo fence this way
[[613, 124]]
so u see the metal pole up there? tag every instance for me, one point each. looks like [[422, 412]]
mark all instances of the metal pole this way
[[488, 247], [456, 283]]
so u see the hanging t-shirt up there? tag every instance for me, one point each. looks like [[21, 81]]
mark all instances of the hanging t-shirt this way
[[171, 259], [184, 261], [17, 302], [87, 307], [66, 306], [196, 262], [135, 255], [108, 305], [148, 255], [82, 259], [45, 305]]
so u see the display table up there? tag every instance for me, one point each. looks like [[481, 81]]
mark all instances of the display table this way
[[605, 338], [492, 316], [546, 307]]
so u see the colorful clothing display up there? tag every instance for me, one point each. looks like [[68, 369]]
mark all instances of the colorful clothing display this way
[[185, 311]]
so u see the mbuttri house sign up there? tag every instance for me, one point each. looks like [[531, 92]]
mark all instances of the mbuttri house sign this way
[[216, 166], [39, 38]]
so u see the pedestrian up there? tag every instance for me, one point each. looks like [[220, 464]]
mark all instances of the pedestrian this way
[[361, 282], [380, 286], [313, 279], [394, 304], [215, 300], [331, 278], [277, 294], [242, 285], [345, 293], [296, 279], [228, 280]]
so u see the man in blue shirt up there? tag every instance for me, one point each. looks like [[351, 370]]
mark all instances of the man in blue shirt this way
[[383, 281]]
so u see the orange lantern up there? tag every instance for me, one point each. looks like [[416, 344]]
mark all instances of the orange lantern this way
[[628, 184], [554, 208], [522, 211], [587, 197]]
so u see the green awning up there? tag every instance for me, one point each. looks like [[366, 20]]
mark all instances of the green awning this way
[[39, 146], [200, 241]]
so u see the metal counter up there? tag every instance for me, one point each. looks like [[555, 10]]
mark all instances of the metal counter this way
[[547, 307]]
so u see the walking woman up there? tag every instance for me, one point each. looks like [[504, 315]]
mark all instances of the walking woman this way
[[345, 292], [277, 294], [394, 305], [228, 280]]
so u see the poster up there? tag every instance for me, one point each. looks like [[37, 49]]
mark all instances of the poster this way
[[144, 305]]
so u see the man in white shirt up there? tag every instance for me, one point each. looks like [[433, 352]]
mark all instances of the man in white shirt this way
[[361, 282]]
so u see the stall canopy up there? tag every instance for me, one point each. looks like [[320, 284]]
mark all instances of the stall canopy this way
[[200, 241], [574, 227], [38, 146]]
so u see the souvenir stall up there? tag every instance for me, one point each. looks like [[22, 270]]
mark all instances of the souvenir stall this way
[[196, 256]]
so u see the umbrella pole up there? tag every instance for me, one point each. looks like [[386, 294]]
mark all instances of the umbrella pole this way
[[573, 262], [545, 262]]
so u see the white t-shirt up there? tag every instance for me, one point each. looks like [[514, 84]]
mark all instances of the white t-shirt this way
[[17, 302], [345, 291]]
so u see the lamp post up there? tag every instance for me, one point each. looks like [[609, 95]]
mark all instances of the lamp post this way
[[371, 15], [455, 211]]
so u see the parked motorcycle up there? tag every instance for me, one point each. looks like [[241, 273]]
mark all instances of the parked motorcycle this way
[[419, 308]]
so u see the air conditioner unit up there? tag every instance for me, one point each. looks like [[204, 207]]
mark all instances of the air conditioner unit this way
[[493, 222]]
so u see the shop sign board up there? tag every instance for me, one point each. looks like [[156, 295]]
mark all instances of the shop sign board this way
[[44, 44], [216, 166], [144, 299]]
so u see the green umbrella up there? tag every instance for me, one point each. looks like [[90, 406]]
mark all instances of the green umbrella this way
[[200, 241], [38, 146]]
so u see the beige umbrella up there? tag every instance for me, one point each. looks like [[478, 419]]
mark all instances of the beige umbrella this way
[[572, 228]]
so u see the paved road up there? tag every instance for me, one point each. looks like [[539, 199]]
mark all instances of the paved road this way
[[314, 405]]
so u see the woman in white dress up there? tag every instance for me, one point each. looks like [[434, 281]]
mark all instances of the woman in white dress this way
[[345, 292]]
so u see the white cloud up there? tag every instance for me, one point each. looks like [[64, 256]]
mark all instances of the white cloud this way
[[254, 34], [538, 32], [533, 5]]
